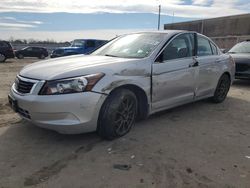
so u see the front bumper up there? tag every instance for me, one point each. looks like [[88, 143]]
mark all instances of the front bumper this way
[[67, 114]]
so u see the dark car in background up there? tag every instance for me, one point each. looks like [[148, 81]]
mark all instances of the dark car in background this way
[[241, 55], [78, 46], [6, 51], [38, 52]]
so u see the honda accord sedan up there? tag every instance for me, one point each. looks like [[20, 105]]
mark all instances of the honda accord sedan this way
[[129, 78]]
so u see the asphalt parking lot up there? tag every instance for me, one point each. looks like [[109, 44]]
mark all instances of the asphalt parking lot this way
[[195, 145]]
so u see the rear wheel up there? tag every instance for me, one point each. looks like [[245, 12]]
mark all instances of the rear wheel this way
[[2, 58], [222, 89], [118, 114], [20, 56], [42, 56]]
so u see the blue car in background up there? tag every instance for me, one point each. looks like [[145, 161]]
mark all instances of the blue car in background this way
[[78, 46]]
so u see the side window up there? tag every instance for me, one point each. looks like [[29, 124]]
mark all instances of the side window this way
[[214, 49], [3, 45], [204, 48], [90, 44], [180, 47], [29, 49]]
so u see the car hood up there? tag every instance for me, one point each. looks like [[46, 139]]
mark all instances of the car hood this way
[[71, 66], [241, 57]]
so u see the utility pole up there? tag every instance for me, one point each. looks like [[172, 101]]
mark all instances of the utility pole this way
[[159, 17], [173, 18]]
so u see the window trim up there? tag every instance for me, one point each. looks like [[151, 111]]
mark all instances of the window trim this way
[[202, 36], [215, 48], [169, 41]]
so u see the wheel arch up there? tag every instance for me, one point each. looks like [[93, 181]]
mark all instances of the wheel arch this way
[[228, 74], [141, 96]]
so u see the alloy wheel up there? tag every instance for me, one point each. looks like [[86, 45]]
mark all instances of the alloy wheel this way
[[223, 88], [125, 116]]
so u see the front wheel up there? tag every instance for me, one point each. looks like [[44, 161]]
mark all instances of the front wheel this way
[[222, 89], [20, 56], [118, 114]]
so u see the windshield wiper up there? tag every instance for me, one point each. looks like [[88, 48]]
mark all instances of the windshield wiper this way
[[109, 55]]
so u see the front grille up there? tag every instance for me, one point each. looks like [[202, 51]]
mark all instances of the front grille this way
[[23, 86], [240, 67]]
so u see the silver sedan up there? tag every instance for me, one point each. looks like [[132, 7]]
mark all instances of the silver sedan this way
[[129, 78]]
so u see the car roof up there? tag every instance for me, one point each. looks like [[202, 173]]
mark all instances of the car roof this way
[[166, 31], [245, 41], [92, 39], [169, 33]]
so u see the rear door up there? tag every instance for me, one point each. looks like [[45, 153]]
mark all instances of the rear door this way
[[207, 57], [174, 73]]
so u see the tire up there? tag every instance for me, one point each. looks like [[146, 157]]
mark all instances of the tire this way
[[20, 56], [118, 114], [2, 58], [42, 56], [222, 89]]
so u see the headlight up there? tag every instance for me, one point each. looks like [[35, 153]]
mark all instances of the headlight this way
[[71, 85]]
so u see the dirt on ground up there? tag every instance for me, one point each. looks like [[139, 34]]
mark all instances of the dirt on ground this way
[[196, 145]]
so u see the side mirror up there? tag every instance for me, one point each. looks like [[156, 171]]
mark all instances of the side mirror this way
[[223, 51], [159, 58]]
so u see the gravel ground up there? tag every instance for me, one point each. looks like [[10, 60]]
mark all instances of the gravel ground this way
[[195, 145]]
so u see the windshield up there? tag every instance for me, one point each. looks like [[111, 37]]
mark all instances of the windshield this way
[[243, 47], [78, 43], [131, 46]]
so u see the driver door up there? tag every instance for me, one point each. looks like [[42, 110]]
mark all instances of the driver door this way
[[174, 73]]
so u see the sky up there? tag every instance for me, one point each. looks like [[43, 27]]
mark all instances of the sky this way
[[63, 20]]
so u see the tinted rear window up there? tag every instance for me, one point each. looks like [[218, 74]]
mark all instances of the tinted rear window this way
[[4, 44]]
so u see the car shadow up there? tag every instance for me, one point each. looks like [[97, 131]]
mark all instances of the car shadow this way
[[42, 153], [23, 131]]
